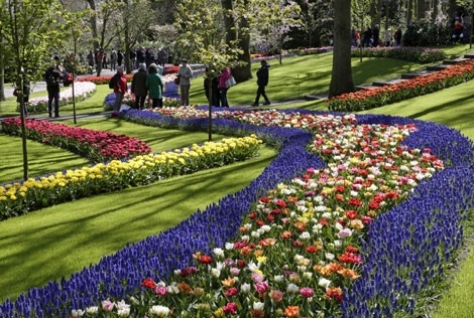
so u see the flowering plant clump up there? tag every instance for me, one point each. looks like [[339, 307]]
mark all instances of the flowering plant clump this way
[[319, 50], [392, 267], [414, 54], [18, 198], [101, 80], [375, 97], [299, 248], [95, 145], [82, 90]]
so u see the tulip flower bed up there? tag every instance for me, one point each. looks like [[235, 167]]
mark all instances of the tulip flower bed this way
[[100, 80], [366, 234], [413, 54], [82, 90], [97, 146], [18, 198], [421, 85]]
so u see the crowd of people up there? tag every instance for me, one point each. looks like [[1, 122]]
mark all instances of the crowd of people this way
[[371, 37], [116, 58]]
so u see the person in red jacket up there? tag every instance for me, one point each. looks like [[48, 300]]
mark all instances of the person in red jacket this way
[[120, 88]]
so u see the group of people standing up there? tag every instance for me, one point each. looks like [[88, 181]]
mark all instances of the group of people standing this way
[[117, 58], [216, 87], [371, 37], [144, 84]]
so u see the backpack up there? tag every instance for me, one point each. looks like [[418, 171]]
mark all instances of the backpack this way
[[113, 82], [52, 78], [67, 78]]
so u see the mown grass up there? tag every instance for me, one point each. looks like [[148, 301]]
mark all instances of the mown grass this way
[[55, 242]]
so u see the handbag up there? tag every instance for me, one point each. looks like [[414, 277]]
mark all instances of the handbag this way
[[230, 82], [177, 79]]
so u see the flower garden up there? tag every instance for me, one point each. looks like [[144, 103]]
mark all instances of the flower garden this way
[[358, 216], [82, 90], [421, 85]]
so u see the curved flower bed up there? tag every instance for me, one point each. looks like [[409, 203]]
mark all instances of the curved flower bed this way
[[23, 197], [97, 146], [100, 80], [82, 90], [375, 97], [414, 54], [397, 261]]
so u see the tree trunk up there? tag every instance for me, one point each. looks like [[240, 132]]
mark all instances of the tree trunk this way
[[452, 9], [378, 16], [435, 10], [93, 22], [409, 11], [128, 67], [244, 72], [341, 78], [420, 9], [2, 70], [2, 80]]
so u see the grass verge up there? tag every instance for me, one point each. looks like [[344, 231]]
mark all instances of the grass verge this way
[[55, 242]]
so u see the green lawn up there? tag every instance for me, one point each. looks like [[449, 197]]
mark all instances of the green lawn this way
[[60, 240], [76, 234]]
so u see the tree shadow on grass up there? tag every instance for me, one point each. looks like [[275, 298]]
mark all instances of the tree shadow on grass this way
[[110, 222], [444, 108]]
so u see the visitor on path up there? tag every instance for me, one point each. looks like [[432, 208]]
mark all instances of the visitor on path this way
[[90, 61], [23, 100], [367, 38], [398, 37], [162, 57], [139, 88], [133, 58], [388, 37], [185, 74], [120, 88], [113, 60], [154, 84], [223, 77], [52, 77], [376, 36], [119, 58], [213, 81], [262, 81], [458, 30]]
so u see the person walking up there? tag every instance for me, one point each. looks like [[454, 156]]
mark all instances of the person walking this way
[[388, 37], [398, 37], [223, 77], [90, 61], [52, 76], [162, 57], [185, 74], [154, 84], [113, 60], [262, 81], [211, 84], [22, 97], [120, 88], [139, 88], [119, 58]]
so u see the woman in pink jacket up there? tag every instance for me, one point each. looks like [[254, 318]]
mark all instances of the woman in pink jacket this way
[[223, 77]]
